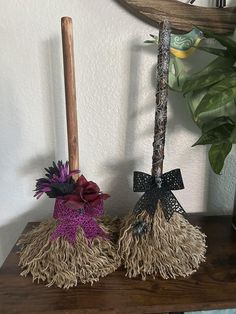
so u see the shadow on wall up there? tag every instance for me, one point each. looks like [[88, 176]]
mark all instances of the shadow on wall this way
[[219, 192], [43, 208], [221, 188], [122, 171], [35, 166], [52, 55], [10, 232], [10, 153], [54, 127]]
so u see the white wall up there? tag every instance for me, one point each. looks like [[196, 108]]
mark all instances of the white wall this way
[[116, 96]]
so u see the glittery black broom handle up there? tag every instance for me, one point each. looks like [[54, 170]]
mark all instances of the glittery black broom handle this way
[[161, 99]]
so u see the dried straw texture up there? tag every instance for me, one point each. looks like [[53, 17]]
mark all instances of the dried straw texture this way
[[169, 249], [112, 224], [62, 264]]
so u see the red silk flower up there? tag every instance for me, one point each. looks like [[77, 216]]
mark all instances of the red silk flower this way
[[85, 192]]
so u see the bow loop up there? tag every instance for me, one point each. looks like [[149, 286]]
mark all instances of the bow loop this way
[[153, 192], [142, 181], [171, 205], [172, 180]]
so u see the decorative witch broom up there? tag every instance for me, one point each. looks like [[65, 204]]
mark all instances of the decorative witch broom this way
[[74, 246], [156, 238]]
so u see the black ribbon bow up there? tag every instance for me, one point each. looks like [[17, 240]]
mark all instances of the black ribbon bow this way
[[158, 189]]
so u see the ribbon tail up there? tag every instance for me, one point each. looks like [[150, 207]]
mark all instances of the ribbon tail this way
[[148, 202], [172, 180], [66, 228], [170, 205], [69, 220]]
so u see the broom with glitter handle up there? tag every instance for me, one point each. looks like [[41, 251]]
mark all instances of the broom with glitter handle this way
[[75, 245], [156, 238]]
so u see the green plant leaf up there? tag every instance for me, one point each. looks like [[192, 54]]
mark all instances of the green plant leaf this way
[[215, 123], [149, 41], [222, 39], [154, 36], [211, 97], [227, 83], [218, 95], [216, 135], [227, 111], [152, 41], [177, 74], [217, 63], [217, 155], [215, 51], [193, 100], [216, 101], [233, 37], [233, 136], [205, 80]]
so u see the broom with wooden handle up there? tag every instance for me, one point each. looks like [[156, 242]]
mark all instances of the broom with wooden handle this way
[[156, 238], [75, 245]]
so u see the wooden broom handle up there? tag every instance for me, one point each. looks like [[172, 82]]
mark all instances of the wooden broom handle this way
[[70, 92]]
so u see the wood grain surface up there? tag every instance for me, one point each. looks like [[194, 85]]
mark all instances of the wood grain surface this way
[[212, 287], [182, 16], [70, 91]]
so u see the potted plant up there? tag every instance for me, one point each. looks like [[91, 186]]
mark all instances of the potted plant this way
[[211, 97]]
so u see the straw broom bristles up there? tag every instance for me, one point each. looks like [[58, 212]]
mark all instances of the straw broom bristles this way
[[62, 264], [168, 249]]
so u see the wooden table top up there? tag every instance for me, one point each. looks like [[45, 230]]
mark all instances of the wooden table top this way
[[212, 287]]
